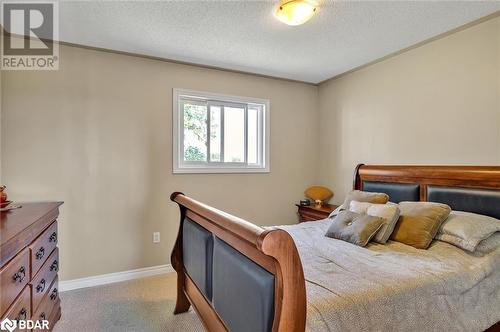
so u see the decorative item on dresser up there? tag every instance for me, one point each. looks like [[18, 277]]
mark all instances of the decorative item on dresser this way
[[3, 194], [29, 262], [314, 212]]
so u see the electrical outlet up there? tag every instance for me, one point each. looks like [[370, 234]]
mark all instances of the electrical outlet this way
[[156, 237]]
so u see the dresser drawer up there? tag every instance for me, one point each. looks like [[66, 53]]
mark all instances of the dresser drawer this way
[[41, 283], [304, 218], [41, 248], [53, 293], [48, 307], [13, 277], [313, 215], [20, 309], [55, 315]]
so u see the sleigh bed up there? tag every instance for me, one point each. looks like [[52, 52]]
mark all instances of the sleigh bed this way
[[242, 277]]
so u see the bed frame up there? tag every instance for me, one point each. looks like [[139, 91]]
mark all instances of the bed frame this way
[[242, 277]]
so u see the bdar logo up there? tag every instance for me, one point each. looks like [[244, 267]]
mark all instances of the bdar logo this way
[[8, 325]]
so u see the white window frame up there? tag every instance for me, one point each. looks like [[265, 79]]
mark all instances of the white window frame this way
[[182, 167]]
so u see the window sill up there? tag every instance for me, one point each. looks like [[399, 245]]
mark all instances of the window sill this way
[[200, 170]]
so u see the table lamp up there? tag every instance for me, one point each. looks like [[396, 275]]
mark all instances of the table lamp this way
[[318, 194]]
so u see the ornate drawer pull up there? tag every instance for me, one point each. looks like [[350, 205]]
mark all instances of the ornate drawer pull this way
[[23, 314], [19, 275], [53, 237], [53, 295], [41, 286], [55, 266], [40, 253]]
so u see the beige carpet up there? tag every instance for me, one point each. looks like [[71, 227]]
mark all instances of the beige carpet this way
[[139, 305]]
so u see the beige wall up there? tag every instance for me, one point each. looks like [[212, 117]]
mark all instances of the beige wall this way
[[97, 134], [435, 104]]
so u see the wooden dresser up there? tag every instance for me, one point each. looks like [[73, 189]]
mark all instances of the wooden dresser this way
[[29, 262]]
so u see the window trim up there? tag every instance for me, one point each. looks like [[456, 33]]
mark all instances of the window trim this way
[[221, 167]]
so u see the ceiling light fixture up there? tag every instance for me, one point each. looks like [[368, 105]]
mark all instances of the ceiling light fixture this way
[[296, 12]]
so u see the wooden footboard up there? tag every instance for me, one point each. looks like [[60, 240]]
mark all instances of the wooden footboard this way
[[237, 276]]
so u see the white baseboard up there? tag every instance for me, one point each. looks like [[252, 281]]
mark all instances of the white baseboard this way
[[109, 278]]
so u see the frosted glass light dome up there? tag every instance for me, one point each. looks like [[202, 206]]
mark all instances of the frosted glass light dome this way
[[296, 12]]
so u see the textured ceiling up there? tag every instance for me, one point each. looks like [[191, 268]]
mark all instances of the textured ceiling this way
[[245, 36]]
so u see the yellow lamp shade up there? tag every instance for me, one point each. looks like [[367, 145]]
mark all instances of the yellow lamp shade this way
[[319, 193], [296, 12]]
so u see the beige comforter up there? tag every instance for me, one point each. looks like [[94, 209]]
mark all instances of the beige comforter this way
[[395, 287]]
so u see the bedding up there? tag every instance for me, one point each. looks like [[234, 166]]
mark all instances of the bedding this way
[[388, 212], [466, 230], [396, 287]]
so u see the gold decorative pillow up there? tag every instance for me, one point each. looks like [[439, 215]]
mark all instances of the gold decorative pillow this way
[[364, 196], [419, 222], [353, 227]]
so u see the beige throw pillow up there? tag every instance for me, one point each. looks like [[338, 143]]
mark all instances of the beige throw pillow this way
[[419, 223], [354, 228], [364, 196], [466, 230], [388, 212]]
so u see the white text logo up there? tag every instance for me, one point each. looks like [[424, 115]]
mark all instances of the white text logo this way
[[11, 325]]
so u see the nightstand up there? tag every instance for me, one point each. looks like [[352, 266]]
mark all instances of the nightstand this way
[[314, 212]]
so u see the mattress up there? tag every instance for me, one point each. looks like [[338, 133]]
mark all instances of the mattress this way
[[395, 287]]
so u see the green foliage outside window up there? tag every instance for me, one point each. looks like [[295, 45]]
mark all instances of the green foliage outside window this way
[[195, 122], [192, 153]]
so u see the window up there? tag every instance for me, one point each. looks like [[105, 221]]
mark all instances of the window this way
[[219, 134]]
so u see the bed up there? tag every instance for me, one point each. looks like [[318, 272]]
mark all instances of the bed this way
[[241, 277]]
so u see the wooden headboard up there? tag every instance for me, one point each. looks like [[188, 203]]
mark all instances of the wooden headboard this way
[[466, 188]]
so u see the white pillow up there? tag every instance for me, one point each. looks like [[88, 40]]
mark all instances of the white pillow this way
[[465, 230], [388, 212]]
